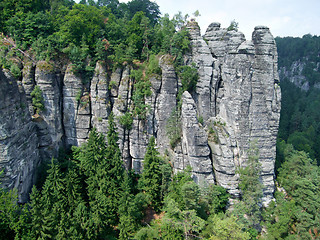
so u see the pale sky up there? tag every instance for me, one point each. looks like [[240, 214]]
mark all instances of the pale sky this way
[[283, 17]]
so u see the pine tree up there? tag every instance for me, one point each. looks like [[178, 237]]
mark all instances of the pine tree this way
[[53, 202], [115, 170], [102, 166], [127, 221], [36, 213], [151, 177]]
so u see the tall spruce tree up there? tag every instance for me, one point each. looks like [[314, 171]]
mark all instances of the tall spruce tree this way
[[53, 202], [115, 170], [103, 170], [127, 210], [151, 178]]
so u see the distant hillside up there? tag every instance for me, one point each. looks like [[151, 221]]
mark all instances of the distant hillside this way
[[299, 72]]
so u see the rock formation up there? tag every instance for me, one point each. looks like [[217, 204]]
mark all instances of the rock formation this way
[[19, 149], [236, 102]]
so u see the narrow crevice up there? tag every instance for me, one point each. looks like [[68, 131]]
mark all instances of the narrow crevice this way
[[154, 109], [61, 103], [218, 85], [211, 160]]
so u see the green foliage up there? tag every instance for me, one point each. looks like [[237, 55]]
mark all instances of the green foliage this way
[[299, 122], [153, 68], [15, 70], [280, 217], [173, 128], [37, 99], [26, 28], [213, 136], [8, 210], [296, 214], [189, 77], [126, 120], [224, 228], [151, 179], [248, 210], [142, 90], [234, 26]]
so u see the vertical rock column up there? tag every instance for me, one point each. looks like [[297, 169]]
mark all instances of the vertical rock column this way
[[76, 109], [265, 106], [121, 106], [100, 98], [19, 156], [166, 102], [49, 123], [195, 142], [28, 83], [204, 61]]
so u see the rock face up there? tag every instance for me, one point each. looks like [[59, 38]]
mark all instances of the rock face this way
[[49, 123], [246, 103], [76, 109], [19, 154], [236, 102]]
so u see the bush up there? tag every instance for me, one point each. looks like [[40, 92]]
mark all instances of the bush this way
[[189, 77], [126, 120], [173, 128], [15, 70], [37, 99]]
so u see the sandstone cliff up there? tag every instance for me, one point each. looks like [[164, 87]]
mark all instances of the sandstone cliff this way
[[236, 101]]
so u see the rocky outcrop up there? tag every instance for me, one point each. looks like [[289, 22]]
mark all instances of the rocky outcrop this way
[[295, 75], [49, 122], [196, 152], [236, 102], [246, 103], [19, 154], [76, 109]]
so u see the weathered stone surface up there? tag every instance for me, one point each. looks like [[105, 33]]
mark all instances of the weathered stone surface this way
[[165, 102], [204, 61], [28, 83], [195, 147], [19, 155], [76, 109], [49, 123], [295, 75], [100, 98], [247, 103], [121, 105]]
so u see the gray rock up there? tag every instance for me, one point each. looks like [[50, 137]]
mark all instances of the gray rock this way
[[19, 155], [247, 103], [50, 121], [195, 149], [100, 98]]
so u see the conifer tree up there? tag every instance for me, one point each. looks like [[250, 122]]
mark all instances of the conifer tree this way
[[102, 167], [151, 177], [36, 213], [115, 170], [53, 202], [127, 221]]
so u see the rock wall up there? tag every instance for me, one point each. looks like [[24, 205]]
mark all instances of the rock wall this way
[[236, 102], [19, 154]]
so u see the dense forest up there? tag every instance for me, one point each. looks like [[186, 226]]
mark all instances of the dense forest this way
[[87, 194]]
